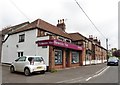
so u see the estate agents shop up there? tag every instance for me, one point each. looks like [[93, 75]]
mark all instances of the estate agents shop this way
[[62, 54]]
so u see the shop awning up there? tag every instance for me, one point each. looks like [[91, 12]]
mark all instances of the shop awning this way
[[58, 43]]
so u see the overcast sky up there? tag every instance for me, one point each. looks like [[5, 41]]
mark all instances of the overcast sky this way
[[104, 14]]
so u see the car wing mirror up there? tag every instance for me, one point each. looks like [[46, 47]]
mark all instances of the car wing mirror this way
[[16, 60]]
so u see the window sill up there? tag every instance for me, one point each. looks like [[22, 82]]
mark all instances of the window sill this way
[[57, 64], [74, 63]]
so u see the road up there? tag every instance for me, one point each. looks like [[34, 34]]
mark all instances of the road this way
[[108, 75], [84, 74]]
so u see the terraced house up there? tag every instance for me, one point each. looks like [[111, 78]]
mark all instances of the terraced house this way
[[58, 48]]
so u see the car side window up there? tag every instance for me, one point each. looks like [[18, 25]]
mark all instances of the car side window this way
[[22, 59], [41, 59]]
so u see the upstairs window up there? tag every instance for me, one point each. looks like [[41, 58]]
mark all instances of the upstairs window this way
[[68, 41], [22, 38], [61, 39]]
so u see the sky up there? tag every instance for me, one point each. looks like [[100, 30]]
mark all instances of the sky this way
[[103, 13]]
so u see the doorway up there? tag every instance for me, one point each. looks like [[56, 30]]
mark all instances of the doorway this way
[[67, 58]]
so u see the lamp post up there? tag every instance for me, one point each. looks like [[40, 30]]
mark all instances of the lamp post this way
[[107, 48]]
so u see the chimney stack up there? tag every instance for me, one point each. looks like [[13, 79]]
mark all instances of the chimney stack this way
[[61, 24]]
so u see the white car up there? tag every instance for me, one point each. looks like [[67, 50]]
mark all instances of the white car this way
[[28, 65]]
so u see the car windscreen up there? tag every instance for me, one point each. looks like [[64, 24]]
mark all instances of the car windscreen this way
[[35, 59], [112, 59], [23, 58]]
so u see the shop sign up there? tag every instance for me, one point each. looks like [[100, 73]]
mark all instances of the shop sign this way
[[59, 44]]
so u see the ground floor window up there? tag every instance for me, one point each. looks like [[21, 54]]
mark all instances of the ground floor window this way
[[20, 54], [75, 57], [58, 56]]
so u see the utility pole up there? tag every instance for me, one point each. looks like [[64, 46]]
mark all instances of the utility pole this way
[[107, 47]]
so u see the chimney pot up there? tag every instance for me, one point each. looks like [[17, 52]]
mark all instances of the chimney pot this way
[[58, 21], [61, 24], [63, 20]]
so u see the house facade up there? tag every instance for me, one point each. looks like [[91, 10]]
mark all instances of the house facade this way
[[58, 48], [99, 53], [93, 52]]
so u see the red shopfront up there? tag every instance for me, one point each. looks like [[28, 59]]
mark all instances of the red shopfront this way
[[62, 54]]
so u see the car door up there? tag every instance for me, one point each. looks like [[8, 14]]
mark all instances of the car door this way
[[20, 63]]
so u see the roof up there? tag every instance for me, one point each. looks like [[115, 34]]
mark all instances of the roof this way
[[77, 36], [40, 24], [11, 28]]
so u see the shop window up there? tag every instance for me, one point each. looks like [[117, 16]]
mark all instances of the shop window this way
[[20, 54], [58, 56], [75, 57], [22, 38]]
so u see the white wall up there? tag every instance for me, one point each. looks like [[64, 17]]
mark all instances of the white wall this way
[[43, 51], [86, 62], [9, 49], [28, 47]]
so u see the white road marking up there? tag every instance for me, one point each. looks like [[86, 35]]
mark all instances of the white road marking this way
[[101, 70], [88, 79], [97, 74], [74, 80]]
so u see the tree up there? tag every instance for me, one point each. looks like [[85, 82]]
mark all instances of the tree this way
[[114, 49], [116, 53]]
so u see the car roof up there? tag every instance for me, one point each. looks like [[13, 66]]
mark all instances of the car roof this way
[[32, 56], [113, 57]]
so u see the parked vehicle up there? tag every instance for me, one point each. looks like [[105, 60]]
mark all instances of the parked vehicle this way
[[113, 61], [28, 65]]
